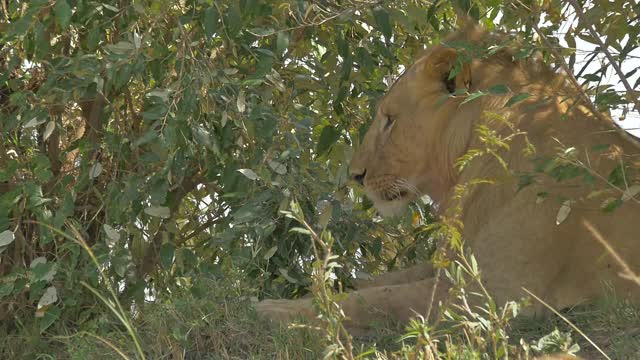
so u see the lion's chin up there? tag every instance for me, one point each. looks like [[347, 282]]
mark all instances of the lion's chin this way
[[391, 208]]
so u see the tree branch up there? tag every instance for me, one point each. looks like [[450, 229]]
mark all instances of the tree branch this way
[[585, 98], [152, 253], [631, 95]]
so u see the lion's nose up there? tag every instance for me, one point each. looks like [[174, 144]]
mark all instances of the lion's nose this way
[[359, 176]]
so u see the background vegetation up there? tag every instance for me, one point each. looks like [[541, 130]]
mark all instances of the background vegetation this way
[[149, 148]]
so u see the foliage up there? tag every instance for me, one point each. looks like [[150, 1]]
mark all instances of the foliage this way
[[172, 135]]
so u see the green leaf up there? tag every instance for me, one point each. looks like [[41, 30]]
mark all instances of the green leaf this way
[[609, 205], [473, 96], [278, 167], [241, 102], [204, 138], [282, 41], [158, 211], [617, 176], [563, 212], [110, 7], [630, 192], [516, 99], [42, 271], [42, 44], [6, 289], [62, 11], [121, 48], [249, 174], [499, 89], [269, 253], [93, 38], [600, 147], [6, 237], [260, 31], [210, 21], [49, 297], [286, 275], [525, 180], [95, 170], [233, 20], [328, 137], [146, 138], [186, 258], [381, 17], [51, 125], [48, 318], [33, 123], [112, 234], [300, 230], [167, 252]]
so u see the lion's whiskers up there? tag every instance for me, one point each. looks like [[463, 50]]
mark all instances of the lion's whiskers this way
[[399, 188], [406, 185]]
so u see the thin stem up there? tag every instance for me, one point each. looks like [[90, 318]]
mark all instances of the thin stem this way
[[568, 322], [572, 79], [596, 37]]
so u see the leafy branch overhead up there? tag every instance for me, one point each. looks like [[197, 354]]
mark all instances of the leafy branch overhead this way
[[171, 136]]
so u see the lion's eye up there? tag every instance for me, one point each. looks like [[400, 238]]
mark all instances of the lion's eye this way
[[450, 84], [388, 123]]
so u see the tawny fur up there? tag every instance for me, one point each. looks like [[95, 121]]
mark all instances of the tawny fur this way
[[514, 237]]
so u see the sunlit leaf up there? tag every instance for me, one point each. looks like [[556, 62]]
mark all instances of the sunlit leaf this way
[[6, 237], [51, 125], [249, 174], [33, 123], [37, 261], [563, 212], [300, 230], [630, 192], [277, 167], [240, 102], [122, 47], [474, 96], [112, 234], [158, 211], [49, 297], [95, 170]]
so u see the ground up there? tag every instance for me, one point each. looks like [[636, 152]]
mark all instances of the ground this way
[[220, 326]]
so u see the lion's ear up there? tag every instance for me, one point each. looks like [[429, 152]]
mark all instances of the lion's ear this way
[[441, 63]]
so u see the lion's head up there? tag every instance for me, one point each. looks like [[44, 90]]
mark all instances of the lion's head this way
[[416, 134], [423, 124]]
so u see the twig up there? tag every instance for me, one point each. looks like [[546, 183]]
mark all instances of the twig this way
[[585, 98], [596, 37], [627, 273], [599, 176]]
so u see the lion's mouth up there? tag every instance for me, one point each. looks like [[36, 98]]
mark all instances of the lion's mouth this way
[[394, 195]]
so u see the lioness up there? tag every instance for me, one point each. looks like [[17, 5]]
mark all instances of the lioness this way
[[519, 237]]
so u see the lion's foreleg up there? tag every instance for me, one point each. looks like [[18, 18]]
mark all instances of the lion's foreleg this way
[[368, 308], [371, 307]]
